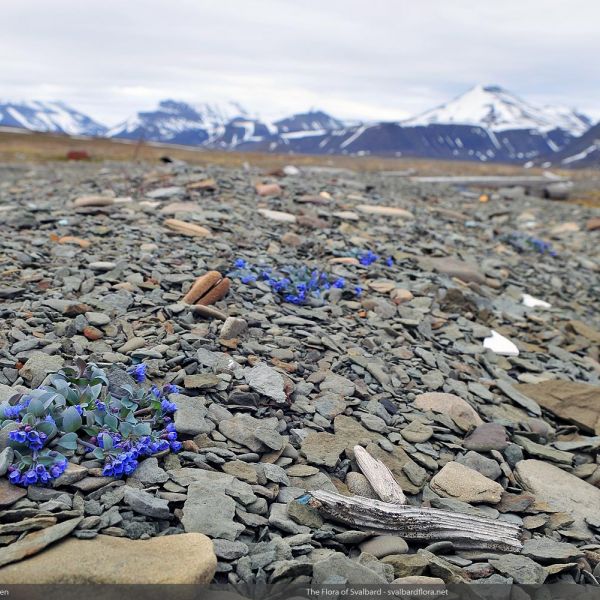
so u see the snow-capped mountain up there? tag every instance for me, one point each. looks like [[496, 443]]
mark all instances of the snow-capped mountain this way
[[228, 126], [180, 123], [496, 109], [486, 124], [55, 117]]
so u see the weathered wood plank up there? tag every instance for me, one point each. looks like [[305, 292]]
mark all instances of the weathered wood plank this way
[[419, 524]]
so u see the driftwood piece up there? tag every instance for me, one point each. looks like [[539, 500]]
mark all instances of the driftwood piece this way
[[421, 524], [379, 476]]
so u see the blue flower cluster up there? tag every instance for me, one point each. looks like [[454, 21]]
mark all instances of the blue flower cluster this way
[[368, 257], [522, 242], [125, 462], [293, 284], [27, 435], [76, 409], [12, 412], [38, 473]]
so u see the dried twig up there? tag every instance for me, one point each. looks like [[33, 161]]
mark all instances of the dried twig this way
[[379, 476]]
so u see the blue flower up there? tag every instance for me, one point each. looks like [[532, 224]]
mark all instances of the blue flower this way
[[31, 477], [248, 278], [138, 372], [240, 263], [389, 261], [171, 388], [176, 446], [168, 407], [17, 436], [12, 412], [292, 298], [339, 283], [15, 477], [368, 258], [358, 290]]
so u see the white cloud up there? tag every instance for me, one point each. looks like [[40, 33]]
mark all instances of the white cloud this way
[[372, 60]]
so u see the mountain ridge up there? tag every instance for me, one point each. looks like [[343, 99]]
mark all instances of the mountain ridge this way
[[485, 123]]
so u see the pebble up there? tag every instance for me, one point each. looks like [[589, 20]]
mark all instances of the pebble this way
[[384, 545], [463, 483]]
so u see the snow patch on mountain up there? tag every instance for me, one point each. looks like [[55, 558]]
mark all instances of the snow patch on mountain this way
[[314, 120]]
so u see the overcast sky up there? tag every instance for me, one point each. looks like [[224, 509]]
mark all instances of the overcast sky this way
[[369, 59]]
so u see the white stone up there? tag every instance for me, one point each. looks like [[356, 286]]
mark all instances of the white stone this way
[[277, 215], [532, 302], [500, 345]]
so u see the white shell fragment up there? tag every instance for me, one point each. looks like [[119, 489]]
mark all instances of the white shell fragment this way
[[500, 345], [532, 302]]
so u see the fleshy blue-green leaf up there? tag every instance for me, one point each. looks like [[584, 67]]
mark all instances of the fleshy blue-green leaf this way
[[142, 429], [71, 419], [68, 441], [125, 429], [98, 453], [107, 441], [47, 427], [36, 407], [111, 422]]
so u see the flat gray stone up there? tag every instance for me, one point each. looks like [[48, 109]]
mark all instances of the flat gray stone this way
[[521, 568], [350, 571], [38, 366], [242, 429], [266, 381], [148, 472], [210, 511], [547, 550], [6, 459], [561, 490], [35, 542], [190, 416], [146, 504]]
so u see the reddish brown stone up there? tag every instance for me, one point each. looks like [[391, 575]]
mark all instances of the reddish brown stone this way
[[216, 293], [593, 224], [10, 493], [92, 333], [515, 502], [268, 189], [201, 286]]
